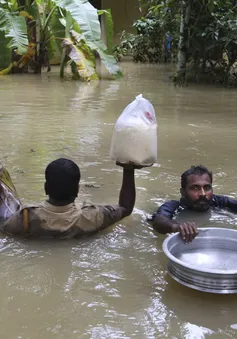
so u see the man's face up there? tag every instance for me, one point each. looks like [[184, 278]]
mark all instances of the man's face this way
[[198, 192]]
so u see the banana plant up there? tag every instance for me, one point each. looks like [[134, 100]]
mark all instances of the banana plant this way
[[80, 53], [44, 18], [14, 27], [82, 67], [86, 16]]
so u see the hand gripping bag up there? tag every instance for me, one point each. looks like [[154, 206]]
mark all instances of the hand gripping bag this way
[[135, 134]]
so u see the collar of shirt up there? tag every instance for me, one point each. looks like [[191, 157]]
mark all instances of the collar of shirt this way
[[57, 209]]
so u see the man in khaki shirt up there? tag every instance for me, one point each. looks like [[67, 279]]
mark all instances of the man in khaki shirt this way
[[59, 216]]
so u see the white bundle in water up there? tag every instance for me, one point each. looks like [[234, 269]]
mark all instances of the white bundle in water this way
[[135, 134]]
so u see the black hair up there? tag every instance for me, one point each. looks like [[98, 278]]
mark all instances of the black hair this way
[[196, 170], [62, 179]]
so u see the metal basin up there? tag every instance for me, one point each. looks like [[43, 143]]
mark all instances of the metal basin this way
[[208, 263]]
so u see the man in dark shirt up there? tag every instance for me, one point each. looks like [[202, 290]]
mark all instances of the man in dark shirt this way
[[197, 195]]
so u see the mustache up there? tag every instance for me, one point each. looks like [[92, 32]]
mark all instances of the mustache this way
[[203, 199]]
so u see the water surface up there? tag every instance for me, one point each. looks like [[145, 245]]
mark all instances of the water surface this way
[[114, 284]]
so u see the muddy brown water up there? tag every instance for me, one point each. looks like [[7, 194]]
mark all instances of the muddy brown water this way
[[114, 284]]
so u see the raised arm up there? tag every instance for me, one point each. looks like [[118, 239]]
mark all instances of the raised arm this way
[[127, 194], [110, 214]]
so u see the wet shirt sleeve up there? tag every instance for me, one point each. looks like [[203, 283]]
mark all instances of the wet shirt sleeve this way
[[167, 210], [222, 201], [97, 217], [112, 214]]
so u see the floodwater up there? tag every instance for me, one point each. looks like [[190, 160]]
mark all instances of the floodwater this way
[[114, 284]]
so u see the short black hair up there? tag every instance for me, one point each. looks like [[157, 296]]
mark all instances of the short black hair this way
[[196, 170], [62, 179]]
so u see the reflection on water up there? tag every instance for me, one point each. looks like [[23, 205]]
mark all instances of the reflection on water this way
[[114, 284], [209, 258]]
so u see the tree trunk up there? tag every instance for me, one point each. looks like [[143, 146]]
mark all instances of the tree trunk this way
[[183, 39]]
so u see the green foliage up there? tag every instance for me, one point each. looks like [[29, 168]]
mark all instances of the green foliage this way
[[206, 47], [79, 56], [82, 67], [97, 47], [67, 22], [126, 45], [149, 42], [15, 29], [85, 15], [5, 55], [212, 42], [109, 28], [35, 29]]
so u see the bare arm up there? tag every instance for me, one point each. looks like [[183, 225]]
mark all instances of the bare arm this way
[[162, 219], [114, 213], [127, 195], [187, 230], [164, 225]]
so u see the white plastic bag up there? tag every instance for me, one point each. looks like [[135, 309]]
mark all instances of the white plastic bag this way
[[135, 134]]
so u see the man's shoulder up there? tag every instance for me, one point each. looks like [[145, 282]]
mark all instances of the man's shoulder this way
[[167, 209], [223, 201], [30, 206], [17, 223], [170, 204], [63, 218], [23, 208], [219, 200]]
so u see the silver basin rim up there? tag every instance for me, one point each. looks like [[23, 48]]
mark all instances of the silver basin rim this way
[[200, 288], [193, 267]]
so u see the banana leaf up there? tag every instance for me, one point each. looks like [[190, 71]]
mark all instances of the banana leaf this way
[[109, 24], [85, 15], [68, 24], [85, 67], [78, 39], [108, 60], [15, 29], [98, 46]]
